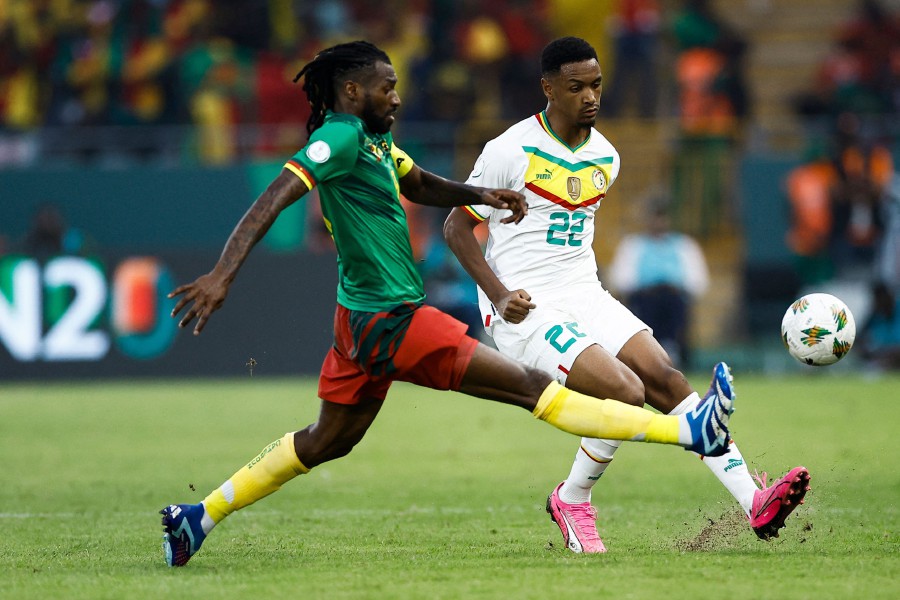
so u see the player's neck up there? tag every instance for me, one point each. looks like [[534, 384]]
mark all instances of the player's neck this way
[[572, 134]]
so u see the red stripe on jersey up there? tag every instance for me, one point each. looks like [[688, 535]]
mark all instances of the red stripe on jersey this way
[[563, 369], [564, 203], [303, 170]]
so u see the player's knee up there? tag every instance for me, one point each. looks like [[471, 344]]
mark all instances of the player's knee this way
[[631, 388], [535, 382], [667, 380]]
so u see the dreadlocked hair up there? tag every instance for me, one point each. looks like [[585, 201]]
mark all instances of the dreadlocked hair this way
[[320, 74]]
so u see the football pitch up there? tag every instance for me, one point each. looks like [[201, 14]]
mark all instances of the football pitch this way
[[444, 498]]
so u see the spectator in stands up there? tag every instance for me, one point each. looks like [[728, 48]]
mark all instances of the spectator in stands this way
[[860, 73], [222, 97], [635, 27], [880, 336], [864, 169], [146, 76], [712, 102], [809, 190], [660, 274], [483, 48], [524, 24], [87, 70], [888, 269]]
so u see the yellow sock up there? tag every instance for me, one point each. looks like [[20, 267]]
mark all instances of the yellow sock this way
[[274, 466], [591, 417]]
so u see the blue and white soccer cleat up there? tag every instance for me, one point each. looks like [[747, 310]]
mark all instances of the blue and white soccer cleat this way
[[183, 533], [709, 420]]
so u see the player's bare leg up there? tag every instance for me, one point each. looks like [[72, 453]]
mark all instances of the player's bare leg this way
[[766, 507], [338, 429], [493, 376], [598, 373], [668, 391]]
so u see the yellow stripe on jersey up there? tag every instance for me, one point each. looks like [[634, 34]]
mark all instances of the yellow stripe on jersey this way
[[473, 213], [298, 170], [571, 185], [402, 161]]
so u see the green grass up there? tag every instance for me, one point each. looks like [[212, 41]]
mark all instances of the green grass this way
[[443, 499]]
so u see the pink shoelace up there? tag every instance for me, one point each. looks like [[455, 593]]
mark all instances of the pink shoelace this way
[[585, 518], [763, 481]]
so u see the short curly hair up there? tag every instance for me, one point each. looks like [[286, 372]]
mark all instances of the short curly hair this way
[[564, 51]]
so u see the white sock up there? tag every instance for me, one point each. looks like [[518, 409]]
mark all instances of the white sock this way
[[206, 522], [591, 460], [730, 468]]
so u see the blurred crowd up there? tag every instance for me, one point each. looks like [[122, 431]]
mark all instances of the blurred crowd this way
[[222, 64], [230, 62], [861, 73]]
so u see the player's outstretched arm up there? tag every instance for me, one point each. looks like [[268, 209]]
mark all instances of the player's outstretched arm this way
[[459, 232], [423, 187], [208, 291]]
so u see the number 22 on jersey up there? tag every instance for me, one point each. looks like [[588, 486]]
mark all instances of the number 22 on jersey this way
[[564, 228]]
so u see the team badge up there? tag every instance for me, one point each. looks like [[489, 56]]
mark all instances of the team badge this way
[[376, 151], [573, 186], [318, 152], [599, 179]]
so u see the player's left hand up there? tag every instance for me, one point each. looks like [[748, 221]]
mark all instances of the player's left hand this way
[[507, 200]]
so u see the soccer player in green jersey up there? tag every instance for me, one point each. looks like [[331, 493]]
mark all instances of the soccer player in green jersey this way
[[383, 331]]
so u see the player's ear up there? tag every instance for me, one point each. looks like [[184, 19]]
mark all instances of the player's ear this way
[[547, 88], [352, 90]]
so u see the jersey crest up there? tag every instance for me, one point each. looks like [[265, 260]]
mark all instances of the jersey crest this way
[[570, 185]]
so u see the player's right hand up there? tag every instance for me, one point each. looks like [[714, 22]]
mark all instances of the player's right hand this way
[[207, 293], [514, 306], [506, 200]]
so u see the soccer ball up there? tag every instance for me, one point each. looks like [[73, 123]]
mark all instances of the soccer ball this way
[[818, 329]]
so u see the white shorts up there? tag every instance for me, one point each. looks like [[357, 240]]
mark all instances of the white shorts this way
[[565, 323]]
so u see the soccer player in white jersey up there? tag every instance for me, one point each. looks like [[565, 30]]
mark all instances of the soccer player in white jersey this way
[[543, 304]]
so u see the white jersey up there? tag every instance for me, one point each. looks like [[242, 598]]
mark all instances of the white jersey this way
[[551, 249]]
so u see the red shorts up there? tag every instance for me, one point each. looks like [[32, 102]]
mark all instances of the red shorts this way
[[421, 345]]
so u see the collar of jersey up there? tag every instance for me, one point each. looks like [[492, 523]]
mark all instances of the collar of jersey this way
[[545, 125], [332, 115]]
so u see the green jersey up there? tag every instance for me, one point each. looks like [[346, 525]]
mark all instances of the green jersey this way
[[357, 173]]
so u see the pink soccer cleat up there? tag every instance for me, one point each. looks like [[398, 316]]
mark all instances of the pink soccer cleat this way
[[577, 522], [772, 505]]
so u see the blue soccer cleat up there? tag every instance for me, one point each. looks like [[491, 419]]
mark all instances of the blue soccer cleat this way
[[183, 533], [709, 420]]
